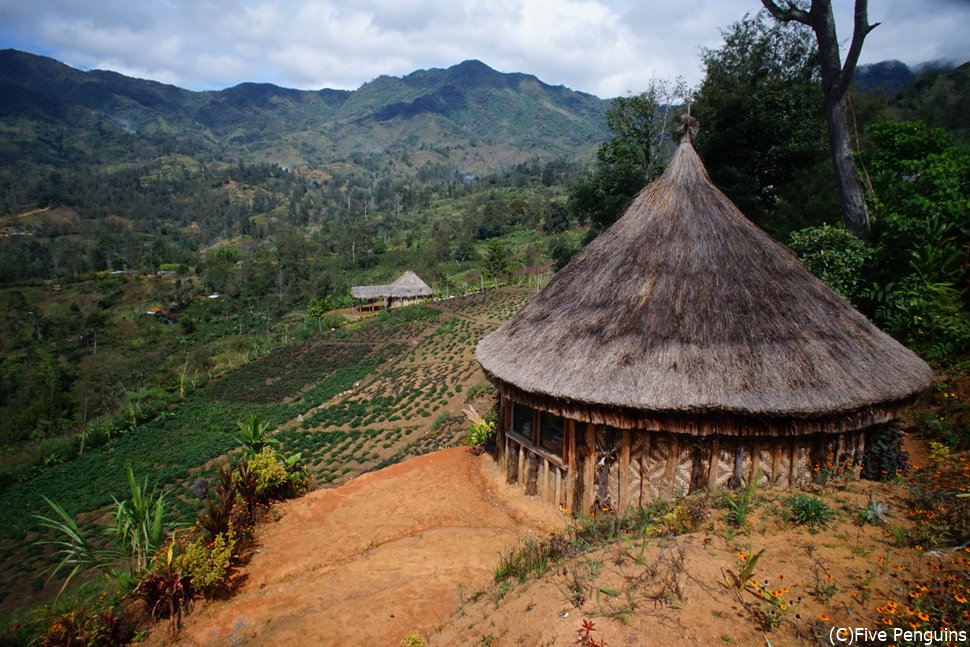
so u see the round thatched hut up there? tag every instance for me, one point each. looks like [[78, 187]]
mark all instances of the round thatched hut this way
[[686, 349]]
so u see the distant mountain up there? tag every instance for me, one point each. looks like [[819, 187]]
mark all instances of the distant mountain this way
[[469, 116], [941, 99], [886, 77]]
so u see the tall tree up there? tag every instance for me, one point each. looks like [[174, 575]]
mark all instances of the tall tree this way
[[762, 135], [629, 160], [836, 77]]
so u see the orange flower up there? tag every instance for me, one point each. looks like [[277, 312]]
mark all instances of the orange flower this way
[[922, 615], [960, 598], [823, 617], [918, 547]]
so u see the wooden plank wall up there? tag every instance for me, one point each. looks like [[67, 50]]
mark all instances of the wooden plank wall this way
[[623, 469]]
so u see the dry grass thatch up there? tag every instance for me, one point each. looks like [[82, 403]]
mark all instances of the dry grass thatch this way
[[686, 310], [408, 285]]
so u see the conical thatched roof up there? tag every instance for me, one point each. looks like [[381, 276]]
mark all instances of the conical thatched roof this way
[[407, 285], [685, 311], [410, 284]]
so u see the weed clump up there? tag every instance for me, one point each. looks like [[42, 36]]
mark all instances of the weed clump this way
[[806, 510]]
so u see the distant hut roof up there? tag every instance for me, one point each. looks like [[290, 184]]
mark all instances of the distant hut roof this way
[[408, 285], [369, 291], [685, 312]]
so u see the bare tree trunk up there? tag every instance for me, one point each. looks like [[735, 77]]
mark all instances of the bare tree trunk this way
[[836, 78], [851, 196]]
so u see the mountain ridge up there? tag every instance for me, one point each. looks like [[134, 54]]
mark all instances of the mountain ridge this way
[[461, 106]]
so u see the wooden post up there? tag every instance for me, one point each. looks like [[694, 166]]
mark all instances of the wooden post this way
[[755, 460], [531, 471], [623, 496], [513, 461], [572, 473], [714, 468], [589, 468], [503, 425], [791, 462], [544, 490], [775, 461]]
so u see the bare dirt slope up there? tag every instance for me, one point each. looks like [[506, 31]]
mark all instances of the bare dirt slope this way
[[372, 560]]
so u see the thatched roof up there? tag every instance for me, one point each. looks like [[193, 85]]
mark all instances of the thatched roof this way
[[685, 311], [408, 285]]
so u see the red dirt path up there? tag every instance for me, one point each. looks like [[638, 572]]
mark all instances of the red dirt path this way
[[372, 560]]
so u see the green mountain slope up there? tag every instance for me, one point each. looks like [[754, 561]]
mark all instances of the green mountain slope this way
[[52, 114]]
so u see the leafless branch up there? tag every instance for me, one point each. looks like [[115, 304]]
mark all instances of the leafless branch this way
[[789, 14], [860, 30]]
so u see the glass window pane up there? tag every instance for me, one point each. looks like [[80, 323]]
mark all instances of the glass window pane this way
[[522, 420], [550, 433]]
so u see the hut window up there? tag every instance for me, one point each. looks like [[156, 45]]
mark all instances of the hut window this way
[[551, 432], [522, 420]]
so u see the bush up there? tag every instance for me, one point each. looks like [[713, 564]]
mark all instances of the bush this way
[[938, 501], [927, 316], [805, 510], [207, 563], [481, 433], [482, 388], [834, 255], [884, 457], [269, 473]]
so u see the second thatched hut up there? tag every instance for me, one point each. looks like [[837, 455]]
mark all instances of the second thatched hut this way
[[406, 289], [685, 349]]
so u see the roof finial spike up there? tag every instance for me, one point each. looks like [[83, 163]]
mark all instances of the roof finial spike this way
[[689, 127]]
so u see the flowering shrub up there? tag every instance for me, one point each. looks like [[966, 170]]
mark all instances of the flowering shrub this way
[[269, 473], [207, 563], [89, 626], [480, 433], [934, 603], [939, 505]]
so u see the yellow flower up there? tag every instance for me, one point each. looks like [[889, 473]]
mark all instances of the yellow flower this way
[[823, 617], [922, 615]]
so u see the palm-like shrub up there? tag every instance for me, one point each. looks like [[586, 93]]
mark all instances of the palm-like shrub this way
[[254, 435]]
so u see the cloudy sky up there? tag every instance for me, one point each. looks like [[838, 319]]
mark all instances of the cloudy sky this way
[[606, 47]]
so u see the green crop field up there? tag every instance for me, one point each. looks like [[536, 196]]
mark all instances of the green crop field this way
[[348, 401]]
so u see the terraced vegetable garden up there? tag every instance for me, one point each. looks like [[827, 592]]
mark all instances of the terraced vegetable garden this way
[[349, 401]]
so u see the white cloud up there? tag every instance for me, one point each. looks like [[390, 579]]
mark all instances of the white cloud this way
[[607, 47]]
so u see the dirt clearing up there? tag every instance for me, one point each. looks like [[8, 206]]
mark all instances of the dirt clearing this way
[[368, 562]]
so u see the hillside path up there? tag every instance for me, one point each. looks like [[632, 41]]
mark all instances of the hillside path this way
[[372, 560]]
